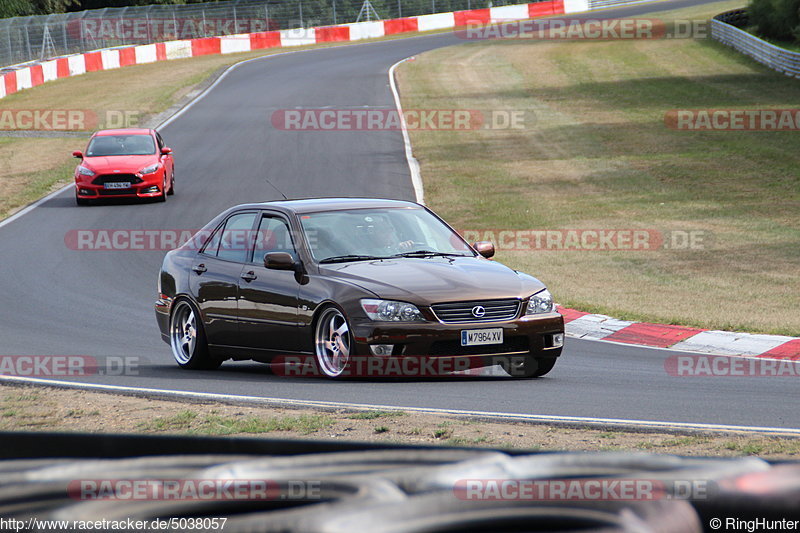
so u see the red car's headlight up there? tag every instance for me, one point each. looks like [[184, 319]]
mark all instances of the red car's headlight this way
[[85, 171], [150, 169]]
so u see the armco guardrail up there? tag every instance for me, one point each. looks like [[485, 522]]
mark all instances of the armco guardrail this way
[[724, 29], [36, 38]]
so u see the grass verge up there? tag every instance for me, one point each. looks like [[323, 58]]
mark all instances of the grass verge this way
[[598, 155], [51, 409]]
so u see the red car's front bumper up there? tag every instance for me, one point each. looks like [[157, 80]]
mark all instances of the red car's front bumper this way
[[149, 186]]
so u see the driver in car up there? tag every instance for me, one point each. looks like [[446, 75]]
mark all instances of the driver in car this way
[[385, 238]]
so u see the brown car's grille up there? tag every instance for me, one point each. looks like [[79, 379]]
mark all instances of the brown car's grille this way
[[461, 312], [510, 344], [102, 179]]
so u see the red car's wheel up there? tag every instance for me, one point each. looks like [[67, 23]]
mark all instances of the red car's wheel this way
[[172, 184], [163, 197]]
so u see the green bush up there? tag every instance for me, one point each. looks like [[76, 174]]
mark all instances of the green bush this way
[[776, 19]]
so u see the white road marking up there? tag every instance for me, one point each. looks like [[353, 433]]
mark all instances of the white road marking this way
[[413, 164]]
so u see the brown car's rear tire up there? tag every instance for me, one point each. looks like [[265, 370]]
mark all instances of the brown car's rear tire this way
[[187, 338]]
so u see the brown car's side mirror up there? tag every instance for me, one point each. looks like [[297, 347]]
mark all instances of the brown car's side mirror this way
[[166, 150], [279, 261], [485, 248], [78, 154]]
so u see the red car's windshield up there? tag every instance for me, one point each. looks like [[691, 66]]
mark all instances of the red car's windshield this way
[[106, 145]]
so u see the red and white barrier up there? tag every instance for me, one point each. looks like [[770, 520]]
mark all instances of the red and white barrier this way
[[437, 21], [601, 327], [298, 37], [366, 30], [75, 65]]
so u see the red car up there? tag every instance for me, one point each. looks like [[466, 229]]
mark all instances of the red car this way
[[124, 163]]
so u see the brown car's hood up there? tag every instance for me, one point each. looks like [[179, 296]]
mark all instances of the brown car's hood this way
[[425, 281]]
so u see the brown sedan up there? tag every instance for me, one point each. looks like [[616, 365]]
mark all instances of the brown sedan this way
[[351, 287]]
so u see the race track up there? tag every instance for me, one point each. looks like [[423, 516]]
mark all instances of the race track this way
[[58, 301]]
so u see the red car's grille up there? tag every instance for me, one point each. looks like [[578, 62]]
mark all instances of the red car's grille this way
[[102, 179], [116, 192]]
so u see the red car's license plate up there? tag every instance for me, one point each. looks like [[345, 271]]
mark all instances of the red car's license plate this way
[[118, 185]]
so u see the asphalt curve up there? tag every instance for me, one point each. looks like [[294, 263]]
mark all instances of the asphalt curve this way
[[59, 301]]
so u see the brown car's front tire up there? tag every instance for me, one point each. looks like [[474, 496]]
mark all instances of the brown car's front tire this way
[[333, 342], [187, 338], [535, 367], [524, 366]]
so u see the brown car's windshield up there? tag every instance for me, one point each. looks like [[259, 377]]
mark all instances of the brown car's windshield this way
[[107, 145], [367, 233]]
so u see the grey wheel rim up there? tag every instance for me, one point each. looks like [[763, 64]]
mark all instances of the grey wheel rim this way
[[332, 340], [183, 333]]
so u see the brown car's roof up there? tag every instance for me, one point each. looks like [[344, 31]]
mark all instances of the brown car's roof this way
[[310, 205]]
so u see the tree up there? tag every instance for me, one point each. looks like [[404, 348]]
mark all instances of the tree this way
[[20, 8], [776, 19]]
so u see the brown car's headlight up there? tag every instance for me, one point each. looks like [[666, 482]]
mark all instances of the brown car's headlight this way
[[541, 302], [391, 311]]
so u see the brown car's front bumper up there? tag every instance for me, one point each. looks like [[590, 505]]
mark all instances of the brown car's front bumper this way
[[532, 335]]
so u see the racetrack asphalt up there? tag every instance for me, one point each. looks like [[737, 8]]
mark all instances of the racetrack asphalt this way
[[58, 301]]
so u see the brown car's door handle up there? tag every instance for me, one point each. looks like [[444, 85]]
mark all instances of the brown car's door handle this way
[[249, 276], [199, 268]]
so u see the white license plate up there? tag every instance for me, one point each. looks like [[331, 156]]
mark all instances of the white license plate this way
[[118, 185], [476, 337]]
